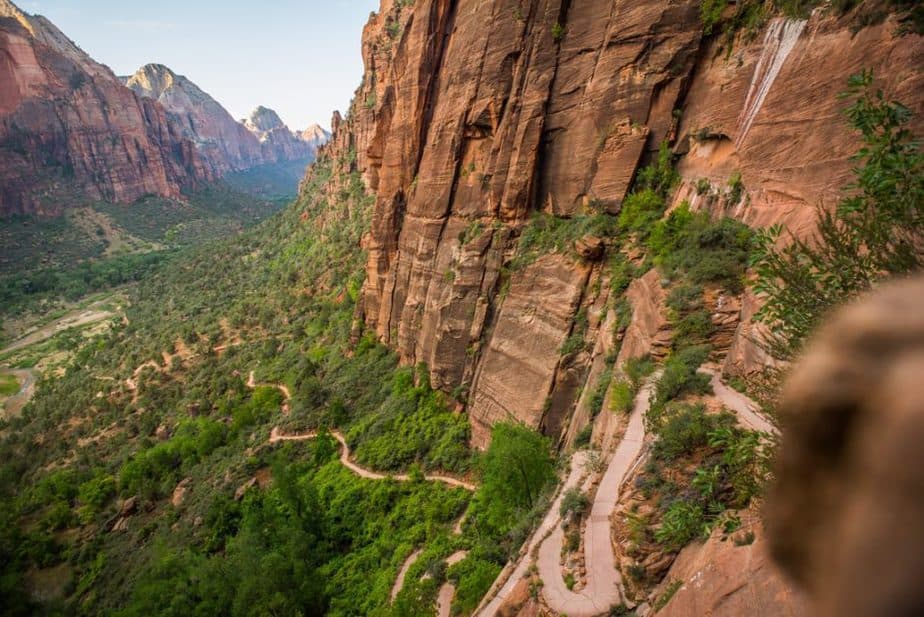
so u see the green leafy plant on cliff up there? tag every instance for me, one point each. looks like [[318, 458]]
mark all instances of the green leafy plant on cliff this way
[[874, 232]]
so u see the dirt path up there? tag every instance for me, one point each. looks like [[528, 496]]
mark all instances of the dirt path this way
[[746, 409], [518, 570], [347, 461], [444, 599], [402, 573], [15, 403], [286, 394]]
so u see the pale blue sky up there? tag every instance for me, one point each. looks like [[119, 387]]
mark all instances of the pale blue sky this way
[[299, 57]]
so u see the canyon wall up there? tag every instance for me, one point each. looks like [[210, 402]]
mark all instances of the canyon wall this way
[[70, 131], [464, 132]]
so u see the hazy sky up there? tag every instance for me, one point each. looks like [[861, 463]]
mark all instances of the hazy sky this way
[[299, 57]]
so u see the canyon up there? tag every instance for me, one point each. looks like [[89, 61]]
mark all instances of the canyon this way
[[502, 356], [71, 132], [465, 137], [553, 112]]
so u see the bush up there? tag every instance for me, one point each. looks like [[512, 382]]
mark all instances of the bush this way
[[640, 211], [682, 522], [573, 503], [682, 429], [706, 251], [473, 578], [681, 377], [622, 395]]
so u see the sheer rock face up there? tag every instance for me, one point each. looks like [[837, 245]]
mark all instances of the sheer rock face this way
[[465, 131], [70, 131], [720, 578], [226, 143]]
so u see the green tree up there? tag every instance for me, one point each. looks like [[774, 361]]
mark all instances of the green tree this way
[[875, 232], [517, 465]]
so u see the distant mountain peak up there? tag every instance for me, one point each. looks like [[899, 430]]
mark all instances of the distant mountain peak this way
[[263, 119]]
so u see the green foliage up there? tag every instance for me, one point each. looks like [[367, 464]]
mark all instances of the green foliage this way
[[394, 29], [94, 494], [733, 469], [735, 189], [647, 202], [682, 429], [154, 472], [710, 12], [640, 211], [621, 273], [622, 395], [546, 233], [9, 385], [574, 503], [516, 467], [704, 251], [682, 522], [473, 579], [681, 377], [558, 32], [413, 424], [874, 232], [666, 596], [660, 176]]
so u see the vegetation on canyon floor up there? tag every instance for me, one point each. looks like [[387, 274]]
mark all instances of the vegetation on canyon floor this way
[[157, 413]]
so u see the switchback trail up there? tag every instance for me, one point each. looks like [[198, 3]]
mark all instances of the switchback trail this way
[[552, 518], [603, 588], [744, 407], [604, 583], [346, 461]]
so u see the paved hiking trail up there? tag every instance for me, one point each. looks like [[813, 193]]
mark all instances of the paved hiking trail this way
[[604, 583], [744, 408], [603, 587], [578, 463], [399, 582], [346, 461]]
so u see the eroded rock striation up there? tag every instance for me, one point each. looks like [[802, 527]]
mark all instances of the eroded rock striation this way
[[465, 132], [70, 131]]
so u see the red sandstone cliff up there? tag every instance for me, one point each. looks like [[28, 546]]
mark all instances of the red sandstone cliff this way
[[474, 115], [551, 108], [227, 144], [70, 131]]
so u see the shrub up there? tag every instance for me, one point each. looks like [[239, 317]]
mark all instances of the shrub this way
[[681, 377], [682, 522], [706, 251], [573, 503], [710, 12], [681, 430], [473, 578], [622, 395], [558, 31], [640, 211]]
